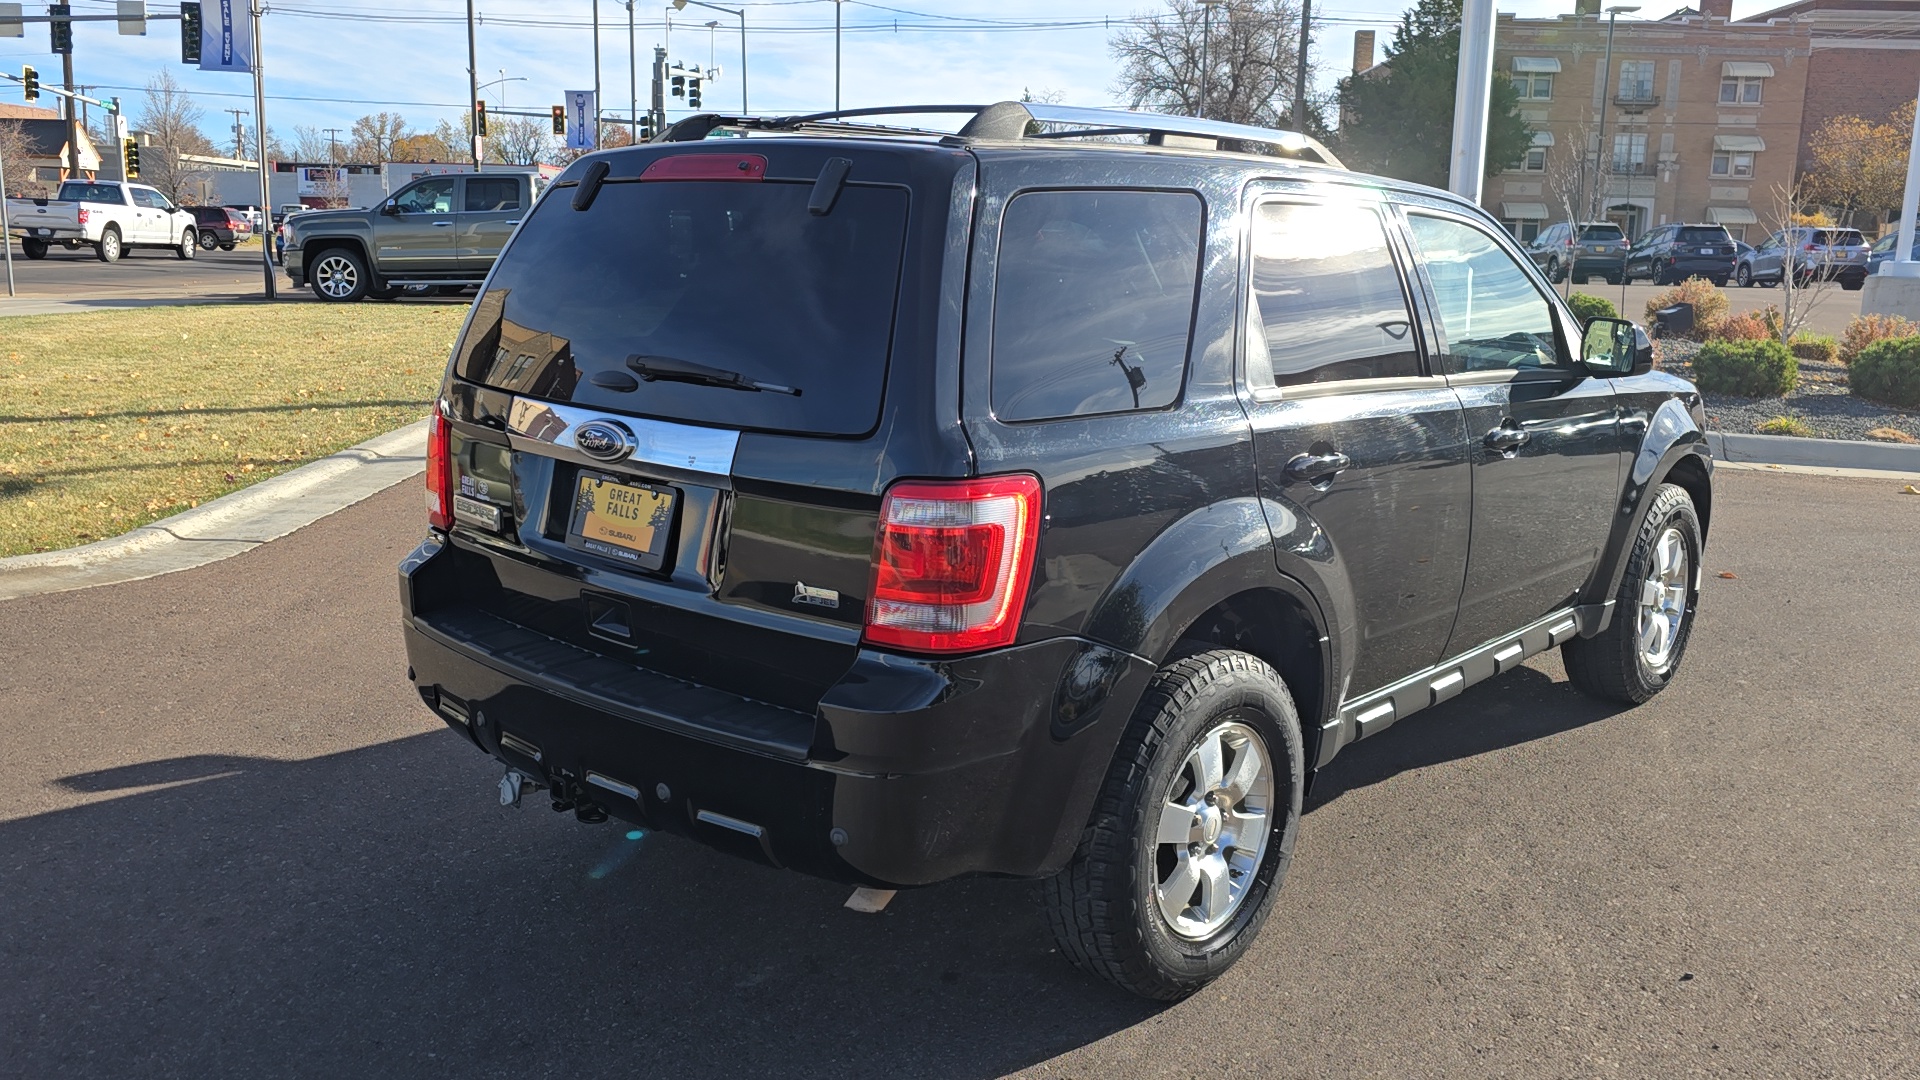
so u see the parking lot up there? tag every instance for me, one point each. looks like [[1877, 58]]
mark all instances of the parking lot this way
[[237, 845]]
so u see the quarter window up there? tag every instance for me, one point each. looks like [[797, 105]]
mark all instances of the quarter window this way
[[1093, 302], [1732, 163], [1327, 299], [1490, 311]]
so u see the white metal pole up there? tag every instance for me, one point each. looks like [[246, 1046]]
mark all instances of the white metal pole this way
[[1902, 263], [1471, 99], [5, 240], [260, 142]]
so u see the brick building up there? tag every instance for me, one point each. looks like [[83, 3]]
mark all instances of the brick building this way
[[1866, 57]]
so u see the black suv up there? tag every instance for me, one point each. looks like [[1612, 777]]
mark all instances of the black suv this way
[[1673, 253], [894, 507]]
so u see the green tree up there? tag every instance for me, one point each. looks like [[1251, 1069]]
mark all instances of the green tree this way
[[1398, 120]]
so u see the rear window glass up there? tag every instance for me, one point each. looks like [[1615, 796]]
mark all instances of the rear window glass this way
[[1327, 299], [1093, 302], [1701, 235], [736, 278], [1838, 238], [1602, 232], [74, 191]]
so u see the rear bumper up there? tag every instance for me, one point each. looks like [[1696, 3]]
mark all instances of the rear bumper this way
[[1598, 264], [909, 771], [1706, 266], [51, 234]]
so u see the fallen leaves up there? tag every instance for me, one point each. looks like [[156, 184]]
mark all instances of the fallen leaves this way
[[1729, 575]]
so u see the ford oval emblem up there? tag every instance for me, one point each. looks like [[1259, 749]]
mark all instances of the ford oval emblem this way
[[603, 440]]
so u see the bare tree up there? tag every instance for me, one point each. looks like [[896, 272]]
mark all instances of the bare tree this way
[[171, 121], [1251, 48], [525, 140], [311, 144], [374, 136], [13, 156], [1804, 279]]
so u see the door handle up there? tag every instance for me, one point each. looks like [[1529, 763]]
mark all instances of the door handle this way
[[515, 221], [443, 224], [1507, 439], [1315, 467]]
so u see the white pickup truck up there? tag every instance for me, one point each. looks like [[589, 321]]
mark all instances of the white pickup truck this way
[[110, 216]]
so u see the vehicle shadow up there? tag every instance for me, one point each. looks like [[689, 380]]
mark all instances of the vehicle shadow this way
[[377, 913]]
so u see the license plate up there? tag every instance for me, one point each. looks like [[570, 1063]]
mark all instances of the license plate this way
[[43, 232], [1598, 249], [623, 521]]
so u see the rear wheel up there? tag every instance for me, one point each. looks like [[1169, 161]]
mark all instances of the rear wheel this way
[[339, 276], [1193, 831], [108, 249], [208, 240], [1743, 276], [34, 249], [1636, 655], [226, 247], [184, 249]]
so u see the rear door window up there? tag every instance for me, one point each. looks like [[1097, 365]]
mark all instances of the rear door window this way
[[486, 194], [1093, 302], [1327, 303]]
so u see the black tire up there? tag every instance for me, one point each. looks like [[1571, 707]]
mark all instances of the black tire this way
[[1554, 273], [1611, 664], [1613, 279], [226, 247], [208, 241], [1719, 282], [1853, 284], [109, 249], [185, 248], [1102, 907], [34, 249], [338, 275]]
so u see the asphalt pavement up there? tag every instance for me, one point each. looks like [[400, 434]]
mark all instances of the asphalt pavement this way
[[235, 845], [145, 273]]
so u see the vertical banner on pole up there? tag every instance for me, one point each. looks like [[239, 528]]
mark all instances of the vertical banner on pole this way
[[226, 38], [582, 111]]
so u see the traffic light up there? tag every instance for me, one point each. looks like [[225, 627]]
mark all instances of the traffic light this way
[[30, 80], [190, 33], [693, 93], [113, 106], [479, 118], [646, 128], [559, 119], [130, 151], [679, 86], [59, 21]]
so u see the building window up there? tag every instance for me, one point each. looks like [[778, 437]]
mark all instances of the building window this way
[[1535, 86], [1732, 163], [1535, 161], [1630, 153], [1740, 91], [1636, 80], [1525, 230]]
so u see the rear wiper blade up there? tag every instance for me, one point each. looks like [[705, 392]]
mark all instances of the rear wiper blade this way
[[668, 369]]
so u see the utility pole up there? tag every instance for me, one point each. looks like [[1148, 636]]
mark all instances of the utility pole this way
[[659, 89], [73, 129], [260, 122], [1300, 71], [836, 55], [598, 102], [239, 132], [633, 80], [473, 93], [333, 145]]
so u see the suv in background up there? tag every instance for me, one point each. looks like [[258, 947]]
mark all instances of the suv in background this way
[[895, 509], [438, 233], [220, 226], [1597, 249], [1673, 253], [1826, 254], [1882, 250]]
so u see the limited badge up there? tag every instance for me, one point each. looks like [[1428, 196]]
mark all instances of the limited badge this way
[[804, 593]]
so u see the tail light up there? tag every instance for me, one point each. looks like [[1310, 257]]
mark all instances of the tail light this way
[[952, 562], [83, 215], [439, 515]]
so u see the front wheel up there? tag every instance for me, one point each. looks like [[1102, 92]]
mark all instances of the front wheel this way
[[34, 249], [1192, 833], [1553, 271], [208, 241], [1743, 276], [339, 276], [185, 248], [108, 249], [1636, 656]]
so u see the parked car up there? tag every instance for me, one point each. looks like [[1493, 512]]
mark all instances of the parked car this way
[[255, 219], [1826, 254], [1594, 249], [111, 216], [1882, 250], [438, 232], [220, 227], [1673, 253], [895, 510]]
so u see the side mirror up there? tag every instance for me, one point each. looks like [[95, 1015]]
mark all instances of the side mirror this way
[[390, 207], [1613, 347]]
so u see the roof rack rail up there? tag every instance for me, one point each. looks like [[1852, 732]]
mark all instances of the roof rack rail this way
[[1011, 121]]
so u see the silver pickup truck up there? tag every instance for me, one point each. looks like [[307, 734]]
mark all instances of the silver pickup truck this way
[[437, 232], [107, 215]]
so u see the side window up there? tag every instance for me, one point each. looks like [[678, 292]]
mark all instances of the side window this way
[[427, 197], [492, 193], [150, 200], [1093, 302], [1327, 299], [1489, 309]]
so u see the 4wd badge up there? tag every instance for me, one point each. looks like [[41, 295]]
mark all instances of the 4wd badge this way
[[804, 593]]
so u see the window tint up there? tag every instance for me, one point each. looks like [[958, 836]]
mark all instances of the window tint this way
[[1093, 301], [1602, 232], [1698, 235], [492, 193], [1838, 238], [428, 197], [1492, 315], [1327, 299]]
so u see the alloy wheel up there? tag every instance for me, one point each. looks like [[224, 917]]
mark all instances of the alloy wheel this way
[[1663, 600], [336, 277], [1212, 831]]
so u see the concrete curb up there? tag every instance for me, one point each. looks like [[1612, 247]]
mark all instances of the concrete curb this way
[[228, 525], [1814, 453]]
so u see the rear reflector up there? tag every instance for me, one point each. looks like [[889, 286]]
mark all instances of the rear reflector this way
[[952, 562], [708, 167], [438, 437]]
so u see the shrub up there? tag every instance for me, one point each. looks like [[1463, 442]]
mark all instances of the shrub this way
[[1784, 425], [1590, 308], [1864, 330], [1759, 325], [1888, 371], [1709, 305], [1819, 347], [1746, 368]]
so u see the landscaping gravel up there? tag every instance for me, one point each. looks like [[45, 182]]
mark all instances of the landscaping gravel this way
[[1821, 401]]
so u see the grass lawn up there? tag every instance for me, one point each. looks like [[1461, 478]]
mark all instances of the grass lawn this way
[[112, 419]]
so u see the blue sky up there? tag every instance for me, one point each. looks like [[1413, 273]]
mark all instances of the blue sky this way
[[328, 63]]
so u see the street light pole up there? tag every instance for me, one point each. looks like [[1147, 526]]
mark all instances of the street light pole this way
[[597, 103], [473, 93], [741, 14], [1606, 106], [633, 80], [836, 55]]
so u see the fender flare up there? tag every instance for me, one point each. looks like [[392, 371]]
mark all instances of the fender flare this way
[[1672, 436]]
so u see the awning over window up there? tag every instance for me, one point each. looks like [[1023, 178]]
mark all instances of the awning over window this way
[[1746, 144], [1523, 211], [1746, 69], [1548, 65], [1732, 215], [1543, 138]]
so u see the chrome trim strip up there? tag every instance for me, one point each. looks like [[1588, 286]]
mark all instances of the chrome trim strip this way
[[519, 745], [1562, 631], [1504, 659], [610, 784], [1448, 685], [725, 822], [546, 428], [1375, 712], [1382, 711]]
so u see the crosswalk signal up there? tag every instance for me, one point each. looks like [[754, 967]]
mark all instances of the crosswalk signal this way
[[479, 118], [130, 152], [30, 81], [59, 21], [190, 33], [559, 119], [693, 93]]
